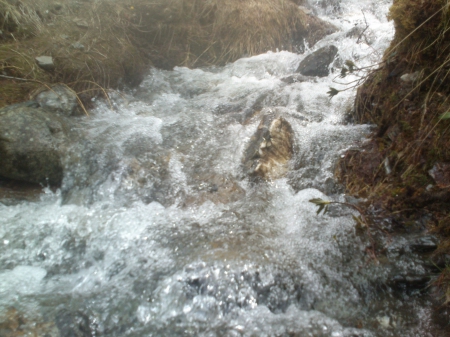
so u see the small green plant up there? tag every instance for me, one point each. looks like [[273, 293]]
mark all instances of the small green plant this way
[[445, 115], [332, 92], [323, 206], [351, 68], [361, 222]]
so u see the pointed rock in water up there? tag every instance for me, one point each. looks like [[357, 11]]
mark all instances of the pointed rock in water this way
[[270, 149], [317, 63]]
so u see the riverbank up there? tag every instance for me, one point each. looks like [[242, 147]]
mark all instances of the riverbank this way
[[143, 208], [404, 170], [95, 46]]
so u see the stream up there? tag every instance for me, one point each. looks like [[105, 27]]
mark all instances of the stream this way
[[157, 231]]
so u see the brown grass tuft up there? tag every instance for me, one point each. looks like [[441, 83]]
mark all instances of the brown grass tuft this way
[[109, 44]]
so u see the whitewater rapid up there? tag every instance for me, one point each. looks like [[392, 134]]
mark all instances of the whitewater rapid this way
[[156, 232]]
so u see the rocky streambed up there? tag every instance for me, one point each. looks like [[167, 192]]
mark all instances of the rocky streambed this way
[[183, 206]]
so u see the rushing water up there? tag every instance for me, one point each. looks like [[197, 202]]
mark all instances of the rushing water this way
[[157, 232]]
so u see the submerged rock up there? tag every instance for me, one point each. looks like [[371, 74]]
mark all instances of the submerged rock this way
[[317, 63], [295, 78], [217, 188], [30, 144], [14, 324], [73, 324], [270, 149]]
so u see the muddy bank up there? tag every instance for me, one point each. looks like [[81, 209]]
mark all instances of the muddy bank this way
[[404, 170]]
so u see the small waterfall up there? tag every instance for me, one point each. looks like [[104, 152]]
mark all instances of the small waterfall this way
[[157, 231]]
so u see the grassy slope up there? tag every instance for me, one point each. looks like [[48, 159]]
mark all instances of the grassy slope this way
[[109, 43], [405, 169]]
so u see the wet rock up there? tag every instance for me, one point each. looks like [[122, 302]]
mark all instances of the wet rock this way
[[331, 6], [270, 149], [225, 108], [243, 110], [276, 290], [59, 99], [30, 144], [13, 192], [295, 78], [217, 188], [354, 32], [317, 63], [424, 244], [363, 34], [73, 324], [45, 62], [409, 281]]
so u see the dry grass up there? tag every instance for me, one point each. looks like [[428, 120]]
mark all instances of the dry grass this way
[[198, 32], [109, 43], [21, 18], [411, 138]]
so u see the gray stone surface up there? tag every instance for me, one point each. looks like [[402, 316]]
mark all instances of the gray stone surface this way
[[317, 63], [45, 62], [31, 143], [59, 99], [77, 45], [296, 78]]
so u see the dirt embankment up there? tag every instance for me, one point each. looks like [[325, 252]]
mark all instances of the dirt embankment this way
[[405, 168], [98, 44]]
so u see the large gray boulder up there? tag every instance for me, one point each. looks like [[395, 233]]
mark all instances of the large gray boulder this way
[[317, 63], [32, 141]]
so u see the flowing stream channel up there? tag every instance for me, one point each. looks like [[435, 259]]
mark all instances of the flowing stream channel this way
[[156, 231]]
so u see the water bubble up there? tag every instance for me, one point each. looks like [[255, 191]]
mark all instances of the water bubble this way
[[144, 314]]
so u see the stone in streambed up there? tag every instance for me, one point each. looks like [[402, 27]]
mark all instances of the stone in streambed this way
[[270, 149], [317, 63]]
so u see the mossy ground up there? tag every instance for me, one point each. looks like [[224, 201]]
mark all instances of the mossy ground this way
[[394, 171], [110, 43]]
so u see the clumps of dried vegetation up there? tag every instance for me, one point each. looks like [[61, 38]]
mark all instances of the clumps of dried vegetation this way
[[198, 32], [405, 168], [110, 43]]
